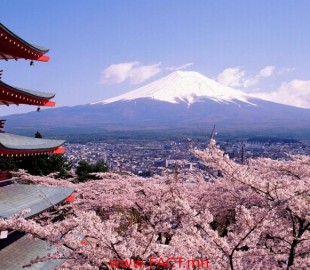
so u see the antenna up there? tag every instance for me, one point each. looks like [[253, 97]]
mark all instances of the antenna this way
[[212, 133], [242, 155]]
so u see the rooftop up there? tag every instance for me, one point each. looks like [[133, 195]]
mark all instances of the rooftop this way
[[11, 144], [19, 253], [14, 47], [18, 197], [16, 95]]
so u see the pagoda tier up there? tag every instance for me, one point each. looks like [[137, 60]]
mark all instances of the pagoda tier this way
[[13, 95], [14, 47], [19, 249], [15, 145], [16, 248], [17, 197]]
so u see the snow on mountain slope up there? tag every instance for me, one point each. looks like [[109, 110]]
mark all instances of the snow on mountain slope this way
[[183, 86]]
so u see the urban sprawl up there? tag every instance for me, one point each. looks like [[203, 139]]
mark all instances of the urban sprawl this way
[[147, 157]]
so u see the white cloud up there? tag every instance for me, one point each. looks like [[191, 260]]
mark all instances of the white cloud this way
[[285, 70], [134, 72], [232, 77], [266, 72], [294, 93], [182, 67], [236, 77], [117, 73], [141, 73], [185, 66]]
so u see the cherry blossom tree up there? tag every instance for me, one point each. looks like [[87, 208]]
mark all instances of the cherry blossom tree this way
[[265, 207], [252, 216]]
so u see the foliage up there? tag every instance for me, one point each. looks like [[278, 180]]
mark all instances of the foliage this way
[[86, 170], [44, 164], [253, 216], [38, 135], [7, 163]]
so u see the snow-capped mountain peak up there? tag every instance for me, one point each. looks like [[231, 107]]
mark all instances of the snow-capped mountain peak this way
[[183, 86]]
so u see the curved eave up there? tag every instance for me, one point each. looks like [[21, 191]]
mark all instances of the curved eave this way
[[15, 145], [17, 197], [14, 47], [13, 95], [24, 249], [29, 152]]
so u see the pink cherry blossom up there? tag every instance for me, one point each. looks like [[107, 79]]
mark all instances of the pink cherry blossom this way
[[252, 216]]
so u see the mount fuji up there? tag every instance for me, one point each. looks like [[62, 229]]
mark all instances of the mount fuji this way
[[183, 100], [183, 86]]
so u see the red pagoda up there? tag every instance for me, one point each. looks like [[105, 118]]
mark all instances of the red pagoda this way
[[16, 248]]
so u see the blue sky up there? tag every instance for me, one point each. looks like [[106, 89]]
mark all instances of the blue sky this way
[[102, 48]]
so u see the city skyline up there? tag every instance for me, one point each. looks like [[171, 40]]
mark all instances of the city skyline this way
[[101, 49]]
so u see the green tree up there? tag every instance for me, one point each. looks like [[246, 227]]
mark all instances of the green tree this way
[[7, 163], [45, 164], [38, 135], [84, 170]]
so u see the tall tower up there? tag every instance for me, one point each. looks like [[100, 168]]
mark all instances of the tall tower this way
[[16, 248]]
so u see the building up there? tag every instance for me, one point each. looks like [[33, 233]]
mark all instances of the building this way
[[16, 248]]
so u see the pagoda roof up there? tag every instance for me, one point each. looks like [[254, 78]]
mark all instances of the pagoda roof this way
[[16, 95], [15, 145], [14, 47], [18, 197], [24, 249]]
